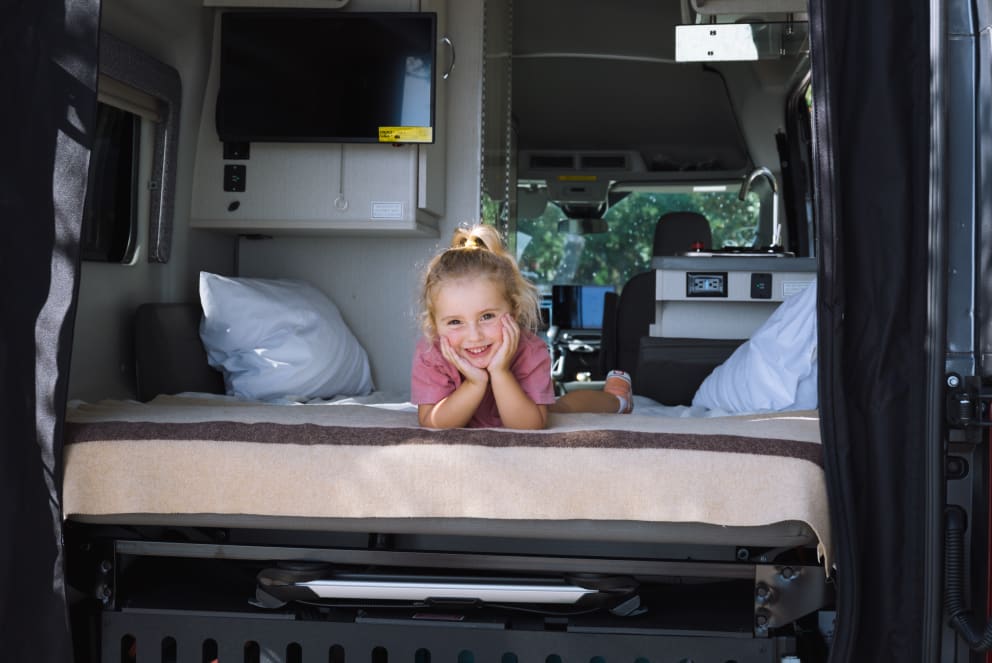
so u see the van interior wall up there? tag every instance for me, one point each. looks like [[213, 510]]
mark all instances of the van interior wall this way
[[756, 91], [177, 34], [372, 280]]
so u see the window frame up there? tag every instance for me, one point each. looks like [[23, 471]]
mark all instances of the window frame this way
[[134, 68]]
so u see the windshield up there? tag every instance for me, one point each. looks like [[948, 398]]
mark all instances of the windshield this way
[[551, 257]]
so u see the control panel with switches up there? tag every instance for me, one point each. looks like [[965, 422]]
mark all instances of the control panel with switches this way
[[234, 177]]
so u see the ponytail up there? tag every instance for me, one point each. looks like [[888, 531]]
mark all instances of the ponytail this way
[[479, 237]]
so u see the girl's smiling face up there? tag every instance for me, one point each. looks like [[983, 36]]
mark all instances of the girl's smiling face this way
[[467, 312]]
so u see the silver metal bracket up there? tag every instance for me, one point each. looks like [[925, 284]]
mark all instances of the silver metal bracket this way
[[784, 593]]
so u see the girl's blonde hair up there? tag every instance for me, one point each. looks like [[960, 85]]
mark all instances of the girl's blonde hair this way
[[478, 252]]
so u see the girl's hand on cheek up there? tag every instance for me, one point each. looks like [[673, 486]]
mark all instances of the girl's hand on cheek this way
[[470, 372], [508, 346]]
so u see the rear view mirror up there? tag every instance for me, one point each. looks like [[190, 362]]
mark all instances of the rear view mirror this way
[[531, 202]]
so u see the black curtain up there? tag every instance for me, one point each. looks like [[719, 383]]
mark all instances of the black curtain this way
[[871, 67], [48, 66]]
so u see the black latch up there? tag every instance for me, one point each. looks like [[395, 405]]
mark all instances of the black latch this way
[[967, 403]]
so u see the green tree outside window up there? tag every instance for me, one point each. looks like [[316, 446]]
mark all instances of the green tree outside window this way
[[549, 256]]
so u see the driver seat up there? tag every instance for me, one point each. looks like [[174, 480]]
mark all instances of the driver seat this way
[[628, 316]]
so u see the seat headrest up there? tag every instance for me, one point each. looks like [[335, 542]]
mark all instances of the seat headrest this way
[[676, 232]]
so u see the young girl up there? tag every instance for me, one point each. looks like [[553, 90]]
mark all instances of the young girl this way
[[480, 363]]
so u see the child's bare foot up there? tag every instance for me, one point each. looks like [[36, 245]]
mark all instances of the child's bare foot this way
[[618, 383]]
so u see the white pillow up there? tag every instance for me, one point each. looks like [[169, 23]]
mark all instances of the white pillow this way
[[277, 338], [775, 369]]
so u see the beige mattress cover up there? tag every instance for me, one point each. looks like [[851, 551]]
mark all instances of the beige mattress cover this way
[[179, 455]]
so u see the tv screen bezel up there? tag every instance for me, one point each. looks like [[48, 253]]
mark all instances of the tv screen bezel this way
[[227, 136]]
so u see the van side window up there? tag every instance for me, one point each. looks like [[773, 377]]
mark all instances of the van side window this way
[[109, 230], [137, 122]]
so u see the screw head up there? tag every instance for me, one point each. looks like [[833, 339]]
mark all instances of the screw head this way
[[103, 592]]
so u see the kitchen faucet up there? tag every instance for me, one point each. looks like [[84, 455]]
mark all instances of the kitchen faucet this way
[[746, 187]]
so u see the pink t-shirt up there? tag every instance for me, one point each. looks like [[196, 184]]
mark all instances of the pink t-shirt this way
[[433, 377]]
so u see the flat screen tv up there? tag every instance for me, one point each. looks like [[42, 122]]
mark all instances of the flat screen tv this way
[[327, 76]]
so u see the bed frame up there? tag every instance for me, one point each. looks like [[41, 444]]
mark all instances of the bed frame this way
[[209, 576]]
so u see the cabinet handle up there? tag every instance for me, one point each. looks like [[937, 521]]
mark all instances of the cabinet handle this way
[[451, 65]]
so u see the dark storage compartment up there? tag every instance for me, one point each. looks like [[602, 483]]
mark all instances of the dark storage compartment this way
[[194, 597], [670, 370]]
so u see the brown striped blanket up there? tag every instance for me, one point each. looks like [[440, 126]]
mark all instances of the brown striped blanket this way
[[177, 455]]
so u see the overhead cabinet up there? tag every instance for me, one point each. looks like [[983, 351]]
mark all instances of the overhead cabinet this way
[[310, 187]]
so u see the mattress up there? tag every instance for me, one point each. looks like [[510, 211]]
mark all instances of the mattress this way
[[745, 480]]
